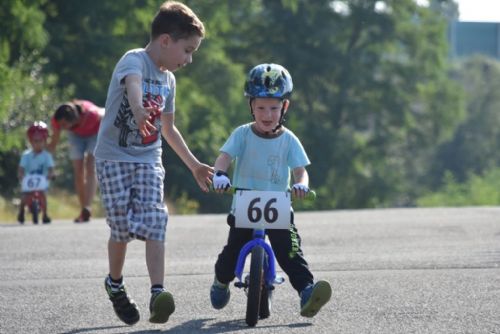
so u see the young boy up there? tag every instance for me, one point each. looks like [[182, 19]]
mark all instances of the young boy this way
[[265, 152], [140, 106], [81, 118], [37, 161]]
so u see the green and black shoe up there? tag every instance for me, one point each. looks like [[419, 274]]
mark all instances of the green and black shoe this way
[[125, 307]]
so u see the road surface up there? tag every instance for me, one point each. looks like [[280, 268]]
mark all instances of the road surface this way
[[392, 271]]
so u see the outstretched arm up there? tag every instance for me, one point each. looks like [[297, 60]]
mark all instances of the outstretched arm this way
[[133, 85], [54, 139], [201, 172]]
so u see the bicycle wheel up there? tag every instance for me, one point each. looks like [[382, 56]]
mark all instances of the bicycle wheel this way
[[255, 286]]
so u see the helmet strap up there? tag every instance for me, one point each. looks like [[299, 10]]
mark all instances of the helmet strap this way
[[282, 119]]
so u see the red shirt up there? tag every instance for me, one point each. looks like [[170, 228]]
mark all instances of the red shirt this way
[[89, 122]]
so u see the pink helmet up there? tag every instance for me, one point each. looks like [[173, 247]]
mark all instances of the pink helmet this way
[[38, 130]]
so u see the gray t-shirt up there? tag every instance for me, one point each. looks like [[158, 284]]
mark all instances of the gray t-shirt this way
[[119, 138]]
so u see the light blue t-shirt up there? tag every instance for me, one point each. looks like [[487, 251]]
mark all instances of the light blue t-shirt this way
[[36, 163], [119, 138], [264, 163]]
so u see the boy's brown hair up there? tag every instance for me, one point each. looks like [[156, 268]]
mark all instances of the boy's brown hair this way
[[177, 20]]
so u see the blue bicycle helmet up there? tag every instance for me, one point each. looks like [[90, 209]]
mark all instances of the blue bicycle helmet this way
[[268, 80]]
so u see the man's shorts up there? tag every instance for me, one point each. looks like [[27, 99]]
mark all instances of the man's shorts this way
[[132, 194], [79, 145]]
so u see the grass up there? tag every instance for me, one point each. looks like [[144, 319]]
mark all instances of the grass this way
[[61, 205]]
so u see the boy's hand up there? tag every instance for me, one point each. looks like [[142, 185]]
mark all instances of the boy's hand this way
[[221, 181], [203, 175], [300, 190], [143, 117]]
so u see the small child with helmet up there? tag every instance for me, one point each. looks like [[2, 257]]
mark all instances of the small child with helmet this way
[[265, 152], [36, 161]]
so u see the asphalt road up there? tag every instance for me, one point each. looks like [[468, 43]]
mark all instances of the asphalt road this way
[[392, 271]]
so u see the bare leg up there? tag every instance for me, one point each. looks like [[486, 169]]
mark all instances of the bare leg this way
[[79, 181], [90, 186], [155, 260], [116, 257]]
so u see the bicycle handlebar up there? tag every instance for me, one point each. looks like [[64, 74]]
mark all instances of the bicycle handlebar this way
[[310, 195]]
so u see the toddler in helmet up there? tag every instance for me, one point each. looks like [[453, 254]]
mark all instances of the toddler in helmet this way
[[38, 161], [265, 152]]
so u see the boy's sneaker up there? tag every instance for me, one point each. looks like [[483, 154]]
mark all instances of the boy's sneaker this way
[[125, 308], [161, 307], [219, 294], [20, 217], [313, 297], [46, 219]]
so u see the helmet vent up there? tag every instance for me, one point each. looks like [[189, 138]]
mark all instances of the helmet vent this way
[[267, 82], [268, 69]]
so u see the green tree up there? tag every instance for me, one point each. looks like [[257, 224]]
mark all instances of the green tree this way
[[26, 93], [473, 149]]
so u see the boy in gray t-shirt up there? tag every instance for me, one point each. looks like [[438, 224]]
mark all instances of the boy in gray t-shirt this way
[[140, 108]]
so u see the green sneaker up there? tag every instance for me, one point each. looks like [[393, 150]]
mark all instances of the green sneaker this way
[[125, 307], [314, 297], [161, 307]]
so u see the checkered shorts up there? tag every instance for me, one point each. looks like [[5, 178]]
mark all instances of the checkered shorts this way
[[132, 194]]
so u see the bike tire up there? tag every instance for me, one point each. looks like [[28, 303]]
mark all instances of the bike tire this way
[[255, 286], [265, 307], [35, 209]]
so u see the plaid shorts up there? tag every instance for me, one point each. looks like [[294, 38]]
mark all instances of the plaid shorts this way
[[132, 194]]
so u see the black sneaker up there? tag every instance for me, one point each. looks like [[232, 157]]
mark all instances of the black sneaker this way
[[125, 308], [161, 307]]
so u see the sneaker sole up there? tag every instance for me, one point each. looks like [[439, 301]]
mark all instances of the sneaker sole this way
[[163, 307], [320, 295]]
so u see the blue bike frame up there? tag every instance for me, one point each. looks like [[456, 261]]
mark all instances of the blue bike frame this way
[[269, 265]]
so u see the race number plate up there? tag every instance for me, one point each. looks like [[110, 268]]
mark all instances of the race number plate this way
[[34, 182], [262, 209]]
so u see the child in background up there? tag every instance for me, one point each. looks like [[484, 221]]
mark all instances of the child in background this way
[[36, 160], [265, 152], [140, 108]]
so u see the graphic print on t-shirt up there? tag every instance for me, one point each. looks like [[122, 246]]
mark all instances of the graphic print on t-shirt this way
[[154, 93]]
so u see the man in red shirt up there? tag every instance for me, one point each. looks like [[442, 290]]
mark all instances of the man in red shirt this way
[[81, 119]]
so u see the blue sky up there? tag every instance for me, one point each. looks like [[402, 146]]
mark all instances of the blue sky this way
[[479, 10]]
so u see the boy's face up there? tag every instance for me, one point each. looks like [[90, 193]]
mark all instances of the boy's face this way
[[177, 54], [267, 112], [38, 144]]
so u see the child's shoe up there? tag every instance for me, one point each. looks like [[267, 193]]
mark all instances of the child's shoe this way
[[46, 219], [161, 307], [219, 294], [313, 297], [125, 308], [20, 217]]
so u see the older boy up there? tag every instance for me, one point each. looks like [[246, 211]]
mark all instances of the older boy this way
[[140, 105]]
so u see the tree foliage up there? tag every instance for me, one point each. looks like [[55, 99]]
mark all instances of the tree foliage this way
[[374, 103]]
